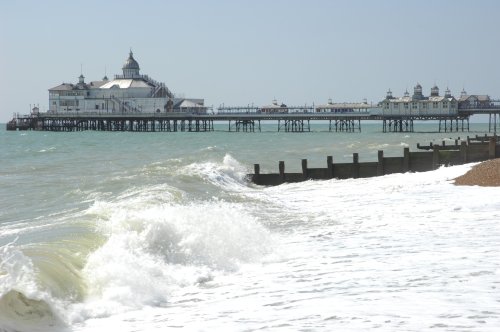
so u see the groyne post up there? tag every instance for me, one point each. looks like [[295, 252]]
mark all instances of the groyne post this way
[[406, 160], [304, 169], [355, 165], [380, 164], [435, 157], [329, 164], [463, 152], [282, 170], [492, 147], [256, 169]]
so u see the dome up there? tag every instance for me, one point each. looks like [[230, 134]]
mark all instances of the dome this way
[[130, 63]]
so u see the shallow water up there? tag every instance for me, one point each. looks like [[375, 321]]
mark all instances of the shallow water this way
[[145, 231]]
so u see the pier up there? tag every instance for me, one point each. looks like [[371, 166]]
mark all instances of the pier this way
[[249, 120], [471, 150]]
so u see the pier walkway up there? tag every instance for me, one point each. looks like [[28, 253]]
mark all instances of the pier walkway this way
[[245, 119]]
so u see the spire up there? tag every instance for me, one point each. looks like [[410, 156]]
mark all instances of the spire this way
[[105, 78]]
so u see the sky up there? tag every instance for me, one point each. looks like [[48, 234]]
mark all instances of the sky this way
[[240, 52]]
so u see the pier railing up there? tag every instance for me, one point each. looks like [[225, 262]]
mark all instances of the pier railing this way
[[468, 151]]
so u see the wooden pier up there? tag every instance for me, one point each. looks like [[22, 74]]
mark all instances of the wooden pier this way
[[467, 151]]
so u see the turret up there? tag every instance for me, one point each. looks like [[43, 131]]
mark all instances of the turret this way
[[130, 67], [447, 93], [417, 92], [435, 91]]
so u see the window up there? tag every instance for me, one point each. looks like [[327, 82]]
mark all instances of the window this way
[[406, 105], [434, 105], [445, 104], [424, 105], [414, 106]]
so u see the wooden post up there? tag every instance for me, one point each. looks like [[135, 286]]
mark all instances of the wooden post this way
[[256, 169], [380, 165], [355, 165], [463, 152], [304, 169], [329, 164], [282, 171], [492, 148], [406, 160], [435, 157]]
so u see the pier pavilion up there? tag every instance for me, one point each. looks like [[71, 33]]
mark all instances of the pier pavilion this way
[[130, 92]]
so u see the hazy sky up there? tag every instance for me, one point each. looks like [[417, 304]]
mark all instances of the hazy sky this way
[[243, 52]]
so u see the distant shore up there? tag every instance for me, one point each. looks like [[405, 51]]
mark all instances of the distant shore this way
[[485, 174]]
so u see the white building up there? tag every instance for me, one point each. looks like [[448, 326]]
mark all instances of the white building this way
[[127, 93], [474, 101], [420, 105], [332, 107]]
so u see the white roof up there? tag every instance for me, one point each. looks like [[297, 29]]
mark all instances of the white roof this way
[[189, 103], [125, 84], [343, 105]]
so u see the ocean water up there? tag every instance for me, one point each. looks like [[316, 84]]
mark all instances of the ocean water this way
[[103, 231]]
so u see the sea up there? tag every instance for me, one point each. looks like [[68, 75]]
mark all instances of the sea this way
[[121, 231]]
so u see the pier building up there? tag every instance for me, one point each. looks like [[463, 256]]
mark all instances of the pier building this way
[[420, 105], [130, 92]]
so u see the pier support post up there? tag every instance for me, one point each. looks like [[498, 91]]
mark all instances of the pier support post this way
[[282, 170], [304, 169], [329, 165], [435, 157], [380, 165], [355, 165], [406, 160], [492, 147]]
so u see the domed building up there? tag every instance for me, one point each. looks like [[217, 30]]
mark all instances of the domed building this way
[[130, 92]]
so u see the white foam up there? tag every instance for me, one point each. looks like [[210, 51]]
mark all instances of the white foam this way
[[24, 304], [154, 249]]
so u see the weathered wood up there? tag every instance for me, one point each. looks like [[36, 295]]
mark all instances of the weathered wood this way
[[355, 165], [282, 170], [492, 148], [304, 169], [435, 157], [463, 152], [329, 165], [411, 161], [406, 160], [256, 169], [380, 165]]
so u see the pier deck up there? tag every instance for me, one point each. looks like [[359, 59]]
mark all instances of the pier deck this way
[[245, 122]]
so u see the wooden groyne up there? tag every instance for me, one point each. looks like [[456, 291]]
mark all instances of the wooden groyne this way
[[465, 152]]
